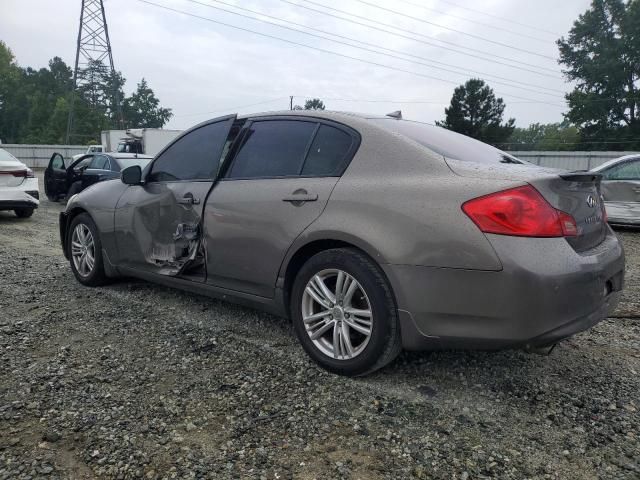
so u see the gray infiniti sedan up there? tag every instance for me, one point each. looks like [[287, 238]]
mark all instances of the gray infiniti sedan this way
[[621, 189], [372, 234]]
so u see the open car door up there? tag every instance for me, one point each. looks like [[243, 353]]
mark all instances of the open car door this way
[[158, 224], [55, 178]]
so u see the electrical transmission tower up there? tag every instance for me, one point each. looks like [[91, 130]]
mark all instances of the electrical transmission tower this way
[[93, 46]]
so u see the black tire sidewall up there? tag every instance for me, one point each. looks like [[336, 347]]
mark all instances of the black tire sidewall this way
[[24, 212], [96, 277], [383, 309]]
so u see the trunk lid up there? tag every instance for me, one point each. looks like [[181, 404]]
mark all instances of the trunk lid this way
[[576, 193], [12, 173]]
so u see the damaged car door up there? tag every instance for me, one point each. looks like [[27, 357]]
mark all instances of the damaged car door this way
[[158, 224]]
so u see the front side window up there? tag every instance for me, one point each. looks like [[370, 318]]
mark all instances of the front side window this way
[[625, 171], [273, 148], [194, 156]]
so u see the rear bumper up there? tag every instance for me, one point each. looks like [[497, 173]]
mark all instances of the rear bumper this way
[[15, 204], [25, 195], [545, 292]]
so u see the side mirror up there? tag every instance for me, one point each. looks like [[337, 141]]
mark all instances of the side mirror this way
[[131, 175]]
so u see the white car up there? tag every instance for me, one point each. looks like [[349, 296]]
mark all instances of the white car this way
[[18, 186], [621, 189]]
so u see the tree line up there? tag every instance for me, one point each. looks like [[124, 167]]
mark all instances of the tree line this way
[[601, 54], [34, 104]]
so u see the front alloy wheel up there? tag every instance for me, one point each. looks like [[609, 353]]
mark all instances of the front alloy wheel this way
[[337, 314], [83, 250]]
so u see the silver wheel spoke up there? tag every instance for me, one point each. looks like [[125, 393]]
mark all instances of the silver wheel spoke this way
[[316, 296], [358, 327], [316, 316], [348, 296], [346, 340], [339, 285], [322, 330], [358, 313], [326, 293], [337, 341]]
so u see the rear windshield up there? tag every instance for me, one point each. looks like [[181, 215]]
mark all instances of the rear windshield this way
[[447, 143], [130, 162]]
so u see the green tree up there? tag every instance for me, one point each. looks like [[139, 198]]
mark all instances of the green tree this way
[[476, 112], [142, 109], [553, 136], [314, 104], [602, 55], [13, 101]]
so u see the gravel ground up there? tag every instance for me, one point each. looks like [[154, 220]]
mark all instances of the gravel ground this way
[[139, 381]]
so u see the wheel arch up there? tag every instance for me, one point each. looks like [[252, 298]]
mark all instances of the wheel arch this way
[[299, 254]]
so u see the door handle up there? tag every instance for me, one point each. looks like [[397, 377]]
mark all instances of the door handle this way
[[301, 196], [189, 200]]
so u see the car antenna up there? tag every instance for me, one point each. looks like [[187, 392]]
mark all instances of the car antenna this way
[[397, 115]]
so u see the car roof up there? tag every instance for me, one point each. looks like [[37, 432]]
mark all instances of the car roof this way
[[128, 155], [614, 161]]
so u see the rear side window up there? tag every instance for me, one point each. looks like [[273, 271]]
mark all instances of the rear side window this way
[[192, 157], [99, 162], [328, 152], [447, 143], [625, 171], [273, 148]]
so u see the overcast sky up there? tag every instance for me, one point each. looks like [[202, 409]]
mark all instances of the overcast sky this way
[[203, 69]]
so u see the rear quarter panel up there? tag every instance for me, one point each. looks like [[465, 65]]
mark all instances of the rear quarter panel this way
[[401, 203]]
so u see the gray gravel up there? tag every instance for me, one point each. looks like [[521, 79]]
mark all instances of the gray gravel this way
[[135, 380]]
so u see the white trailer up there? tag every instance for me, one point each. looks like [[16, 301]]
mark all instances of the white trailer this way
[[148, 141]]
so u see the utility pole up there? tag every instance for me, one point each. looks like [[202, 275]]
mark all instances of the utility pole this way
[[93, 45], [291, 102]]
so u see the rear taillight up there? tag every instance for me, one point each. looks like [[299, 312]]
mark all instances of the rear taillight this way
[[30, 173], [520, 211]]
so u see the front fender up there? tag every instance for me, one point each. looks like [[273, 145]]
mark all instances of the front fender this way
[[99, 201]]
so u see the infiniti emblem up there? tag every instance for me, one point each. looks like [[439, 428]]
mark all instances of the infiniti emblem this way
[[591, 201]]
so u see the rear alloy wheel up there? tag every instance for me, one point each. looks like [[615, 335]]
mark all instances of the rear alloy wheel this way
[[23, 212], [337, 314], [344, 313], [85, 251]]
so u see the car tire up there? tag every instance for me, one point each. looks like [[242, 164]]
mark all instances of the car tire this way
[[23, 212], [76, 187], [364, 353], [83, 238]]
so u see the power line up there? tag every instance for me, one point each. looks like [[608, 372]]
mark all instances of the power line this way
[[331, 52], [467, 34], [464, 71], [237, 107], [494, 27], [500, 18], [527, 65]]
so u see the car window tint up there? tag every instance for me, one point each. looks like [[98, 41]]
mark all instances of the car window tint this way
[[447, 143], [327, 153], [192, 157], [83, 163], [273, 148], [99, 162], [625, 171]]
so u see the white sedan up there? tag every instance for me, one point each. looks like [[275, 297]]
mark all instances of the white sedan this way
[[18, 186]]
